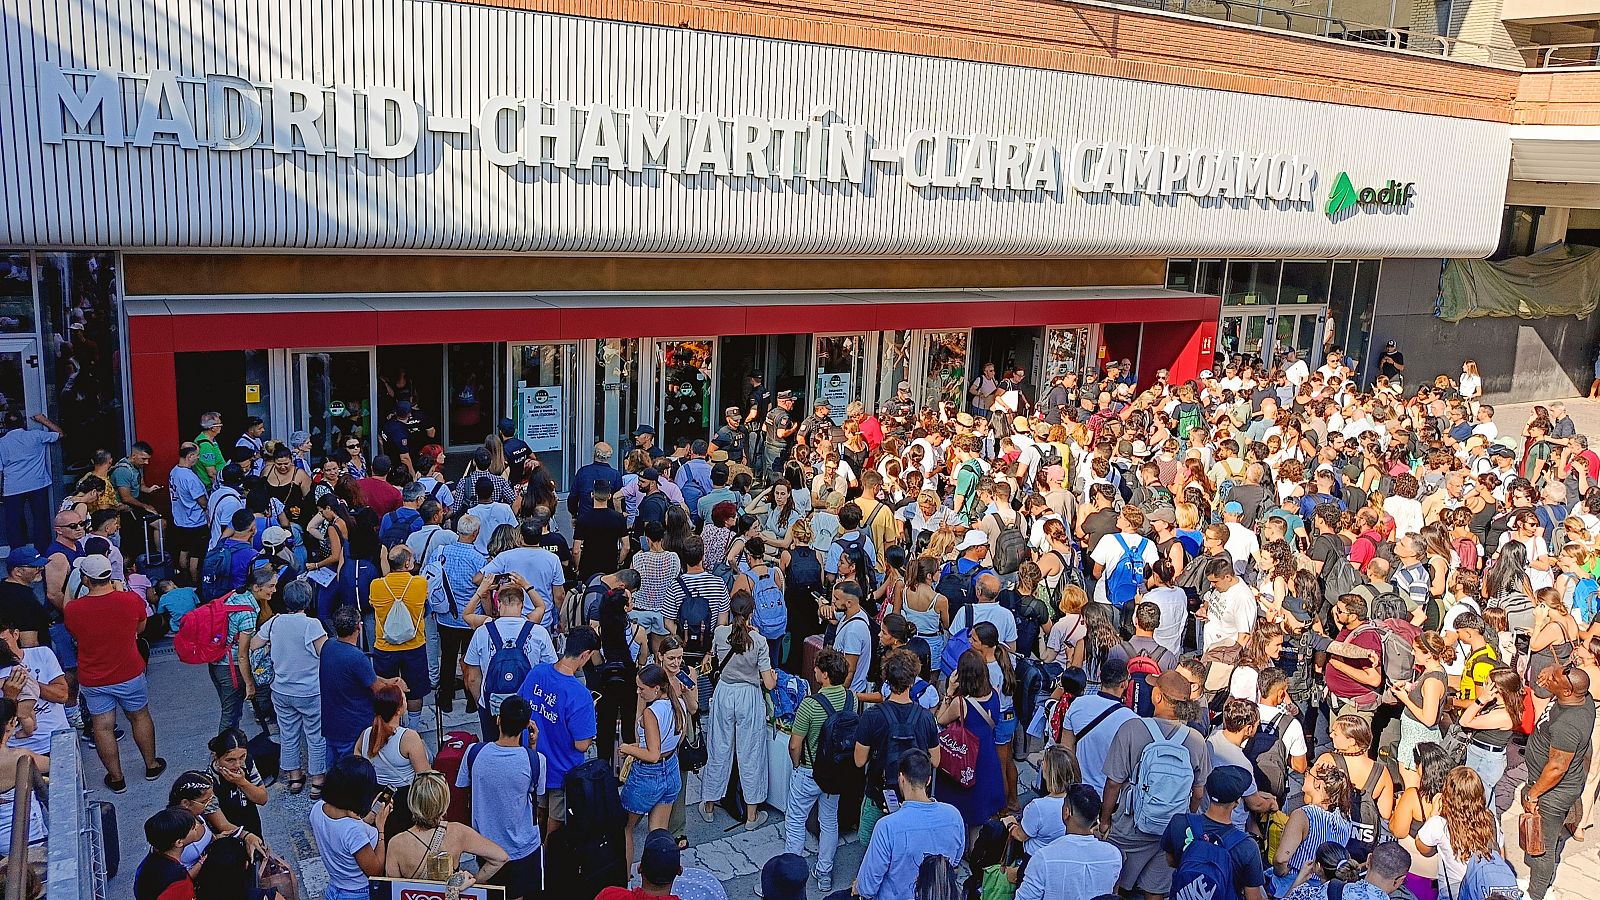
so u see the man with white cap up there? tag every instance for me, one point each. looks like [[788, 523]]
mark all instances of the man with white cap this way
[[106, 623], [960, 577]]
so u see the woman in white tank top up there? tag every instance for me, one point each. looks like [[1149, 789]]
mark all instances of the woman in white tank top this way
[[654, 781], [397, 753]]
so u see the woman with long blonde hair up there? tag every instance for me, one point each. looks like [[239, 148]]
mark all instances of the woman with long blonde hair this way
[[1464, 828]]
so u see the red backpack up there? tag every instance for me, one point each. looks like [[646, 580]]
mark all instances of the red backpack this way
[[202, 639]]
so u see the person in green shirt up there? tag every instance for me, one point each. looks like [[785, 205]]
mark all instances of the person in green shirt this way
[[832, 672], [209, 468]]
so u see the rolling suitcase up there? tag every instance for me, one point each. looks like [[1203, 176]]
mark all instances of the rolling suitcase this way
[[154, 561], [808, 658], [452, 752]]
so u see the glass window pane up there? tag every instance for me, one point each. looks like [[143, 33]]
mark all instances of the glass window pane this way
[[16, 293], [1338, 328], [473, 409], [410, 373], [1065, 350], [83, 359], [1180, 274], [1363, 303], [894, 363], [616, 386], [1209, 276], [684, 409], [543, 405], [1252, 282], [947, 368], [336, 392], [838, 375], [1305, 282]]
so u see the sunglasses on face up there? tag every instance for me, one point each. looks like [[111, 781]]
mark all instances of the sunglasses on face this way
[[70, 525]]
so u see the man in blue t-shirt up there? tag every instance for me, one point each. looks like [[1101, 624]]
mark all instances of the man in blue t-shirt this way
[[563, 709], [347, 681], [1224, 788], [509, 773]]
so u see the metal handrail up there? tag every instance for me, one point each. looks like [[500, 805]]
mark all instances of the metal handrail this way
[[29, 785], [1546, 53]]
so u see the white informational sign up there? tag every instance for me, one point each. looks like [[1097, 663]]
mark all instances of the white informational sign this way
[[541, 417], [834, 390], [411, 889]]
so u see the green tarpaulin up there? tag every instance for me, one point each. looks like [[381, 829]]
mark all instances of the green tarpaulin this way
[[1561, 281]]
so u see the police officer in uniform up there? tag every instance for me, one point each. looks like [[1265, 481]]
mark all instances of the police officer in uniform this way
[[757, 404], [899, 411], [780, 430], [816, 424]]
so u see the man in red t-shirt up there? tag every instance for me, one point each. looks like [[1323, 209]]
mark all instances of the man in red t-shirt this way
[[1353, 683], [106, 623], [380, 496]]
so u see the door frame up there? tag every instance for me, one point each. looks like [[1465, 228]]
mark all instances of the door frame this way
[[650, 374], [863, 376], [918, 368], [498, 388], [507, 403], [295, 358], [33, 389]]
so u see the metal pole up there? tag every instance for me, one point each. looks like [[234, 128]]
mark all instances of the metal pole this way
[[21, 806]]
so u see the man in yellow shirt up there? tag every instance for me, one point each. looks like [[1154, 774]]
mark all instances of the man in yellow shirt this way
[[1480, 657], [399, 603]]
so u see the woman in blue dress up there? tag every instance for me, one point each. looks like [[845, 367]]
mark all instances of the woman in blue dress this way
[[972, 697]]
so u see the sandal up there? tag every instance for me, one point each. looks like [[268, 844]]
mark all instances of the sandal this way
[[296, 785], [316, 792], [683, 842]]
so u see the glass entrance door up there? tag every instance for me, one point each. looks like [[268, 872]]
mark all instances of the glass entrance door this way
[[544, 404], [838, 363], [942, 369], [337, 391], [21, 378], [1065, 350], [683, 393], [1242, 334], [1298, 329]]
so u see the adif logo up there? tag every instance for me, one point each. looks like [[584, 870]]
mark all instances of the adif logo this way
[[1344, 196]]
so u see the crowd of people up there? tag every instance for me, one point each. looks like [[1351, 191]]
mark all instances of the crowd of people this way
[[1261, 633]]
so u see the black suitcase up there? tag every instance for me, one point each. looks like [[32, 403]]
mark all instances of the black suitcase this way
[[586, 854], [266, 753], [110, 843]]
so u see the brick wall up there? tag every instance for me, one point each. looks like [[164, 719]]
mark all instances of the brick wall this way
[[1559, 98], [1096, 39]]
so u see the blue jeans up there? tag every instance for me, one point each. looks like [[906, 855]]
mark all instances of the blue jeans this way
[[651, 784], [333, 893], [803, 795], [339, 750], [1489, 765], [230, 692], [36, 505], [300, 718]]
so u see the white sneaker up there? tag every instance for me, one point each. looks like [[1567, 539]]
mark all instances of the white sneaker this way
[[825, 882]]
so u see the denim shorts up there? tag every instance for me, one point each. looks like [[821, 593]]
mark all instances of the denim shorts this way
[[1005, 728], [130, 696], [65, 647], [650, 784]]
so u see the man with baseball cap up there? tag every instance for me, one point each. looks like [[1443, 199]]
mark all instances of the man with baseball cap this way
[[106, 623], [583, 480], [19, 605], [779, 430], [899, 411], [1223, 788]]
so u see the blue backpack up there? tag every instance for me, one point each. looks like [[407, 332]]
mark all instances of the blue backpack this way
[[1485, 875], [786, 696], [216, 571], [1585, 600], [959, 643], [1205, 870], [508, 667], [772, 613], [1126, 578]]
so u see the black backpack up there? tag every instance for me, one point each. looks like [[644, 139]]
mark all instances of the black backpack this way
[[833, 766], [587, 853], [1270, 757], [883, 764], [1010, 546], [1030, 613], [955, 587], [694, 621]]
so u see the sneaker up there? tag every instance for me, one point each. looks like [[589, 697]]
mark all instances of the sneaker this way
[[825, 882], [761, 819], [116, 785], [154, 772], [758, 886]]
